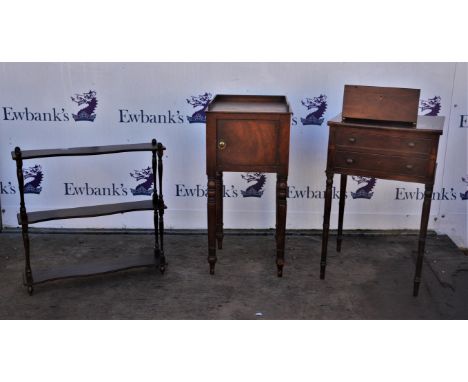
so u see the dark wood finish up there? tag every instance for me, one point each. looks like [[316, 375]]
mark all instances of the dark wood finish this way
[[339, 239], [251, 152], [354, 139], [80, 151], [219, 209], [90, 269], [386, 151], [251, 134], [380, 103], [87, 211], [156, 204], [160, 207]]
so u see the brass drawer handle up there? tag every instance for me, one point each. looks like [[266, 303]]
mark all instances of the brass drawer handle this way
[[411, 144], [352, 140], [221, 144], [349, 161], [409, 166]]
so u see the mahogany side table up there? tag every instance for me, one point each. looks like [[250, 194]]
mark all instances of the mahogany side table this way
[[398, 150], [246, 133]]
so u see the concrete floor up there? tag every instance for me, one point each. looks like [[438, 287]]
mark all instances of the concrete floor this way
[[370, 279]]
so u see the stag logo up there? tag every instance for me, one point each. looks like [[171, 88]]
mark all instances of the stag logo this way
[[465, 195], [202, 100], [431, 104], [143, 188], [255, 190], [86, 113], [364, 192], [320, 105], [34, 175]]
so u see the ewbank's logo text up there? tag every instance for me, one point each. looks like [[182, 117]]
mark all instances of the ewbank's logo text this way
[[72, 189], [26, 114], [141, 116]]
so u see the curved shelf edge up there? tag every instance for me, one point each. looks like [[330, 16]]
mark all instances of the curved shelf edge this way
[[87, 211]]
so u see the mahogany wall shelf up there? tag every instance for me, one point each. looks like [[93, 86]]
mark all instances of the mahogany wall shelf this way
[[156, 259]]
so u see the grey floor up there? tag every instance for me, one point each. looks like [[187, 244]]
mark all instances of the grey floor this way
[[370, 279]]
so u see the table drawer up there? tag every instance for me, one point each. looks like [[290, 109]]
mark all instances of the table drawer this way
[[241, 142], [386, 140], [383, 166]]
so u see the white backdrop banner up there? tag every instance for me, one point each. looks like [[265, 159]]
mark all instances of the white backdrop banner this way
[[59, 105]]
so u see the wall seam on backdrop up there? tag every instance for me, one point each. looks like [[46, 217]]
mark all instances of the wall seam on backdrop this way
[[448, 130]]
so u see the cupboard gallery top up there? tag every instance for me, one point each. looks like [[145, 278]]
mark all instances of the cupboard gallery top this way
[[246, 133]]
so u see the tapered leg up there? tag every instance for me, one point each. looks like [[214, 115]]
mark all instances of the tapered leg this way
[[219, 209], [341, 211], [162, 262], [326, 223], [212, 223], [281, 190], [422, 237]]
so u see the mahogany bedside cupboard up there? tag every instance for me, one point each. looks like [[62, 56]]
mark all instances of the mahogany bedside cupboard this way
[[380, 135], [246, 133]]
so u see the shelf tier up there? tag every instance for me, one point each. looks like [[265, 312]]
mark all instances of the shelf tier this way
[[87, 211], [98, 268], [93, 150]]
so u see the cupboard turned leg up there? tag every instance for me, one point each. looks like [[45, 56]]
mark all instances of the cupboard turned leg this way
[[28, 278], [326, 223], [219, 209], [157, 250], [281, 190], [341, 211], [212, 223], [422, 237], [161, 206]]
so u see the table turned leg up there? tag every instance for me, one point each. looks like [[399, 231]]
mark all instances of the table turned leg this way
[[341, 211], [281, 203], [422, 237], [219, 209], [326, 223], [212, 223]]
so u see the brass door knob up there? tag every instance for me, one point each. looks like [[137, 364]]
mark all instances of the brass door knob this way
[[221, 144], [352, 140], [349, 161], [409, 166], [411, 144]]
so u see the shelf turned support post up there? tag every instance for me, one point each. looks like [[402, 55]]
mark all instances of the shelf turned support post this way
[[161, 207], [157, 250], [24, 221]]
